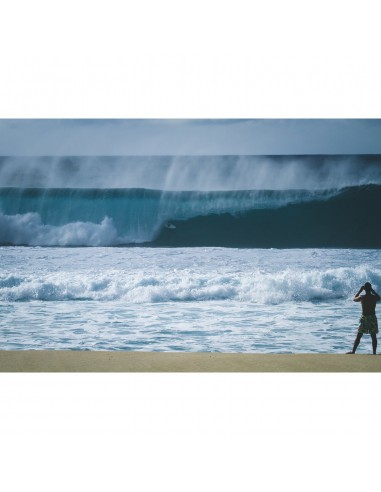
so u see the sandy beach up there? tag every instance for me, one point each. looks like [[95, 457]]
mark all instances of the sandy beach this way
[[106, 361]]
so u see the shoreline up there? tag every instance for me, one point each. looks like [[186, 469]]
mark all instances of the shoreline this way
[[107, 361]]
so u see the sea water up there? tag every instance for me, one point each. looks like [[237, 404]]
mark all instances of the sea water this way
[[183, 299], [187, 253]]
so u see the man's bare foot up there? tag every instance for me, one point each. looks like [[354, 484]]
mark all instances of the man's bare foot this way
[[351, 352]]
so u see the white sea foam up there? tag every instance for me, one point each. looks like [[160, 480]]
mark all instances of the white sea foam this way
[[28, 229], [188, 285], [192, 299]]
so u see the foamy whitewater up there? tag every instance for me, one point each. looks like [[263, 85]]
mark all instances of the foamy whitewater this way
[[230, 254]]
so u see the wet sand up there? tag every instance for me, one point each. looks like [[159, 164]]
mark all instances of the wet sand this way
[[86, 361]]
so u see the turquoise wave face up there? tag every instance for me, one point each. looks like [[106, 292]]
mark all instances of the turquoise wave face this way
[[245, 218], [120, 215]]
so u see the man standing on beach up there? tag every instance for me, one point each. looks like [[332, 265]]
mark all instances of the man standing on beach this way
[[368, 320]]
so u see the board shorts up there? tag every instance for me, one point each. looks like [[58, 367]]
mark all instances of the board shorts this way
[[368, 324]]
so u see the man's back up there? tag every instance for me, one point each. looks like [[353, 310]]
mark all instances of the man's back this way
[[368, 303]]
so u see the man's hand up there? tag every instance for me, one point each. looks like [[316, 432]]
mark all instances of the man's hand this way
[[357, 296]]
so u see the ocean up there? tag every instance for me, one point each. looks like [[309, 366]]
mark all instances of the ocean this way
[[249, 254]]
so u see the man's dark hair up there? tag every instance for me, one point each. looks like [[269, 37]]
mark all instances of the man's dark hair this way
[[367, 287]]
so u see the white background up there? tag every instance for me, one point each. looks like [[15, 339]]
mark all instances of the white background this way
[[204, 59]]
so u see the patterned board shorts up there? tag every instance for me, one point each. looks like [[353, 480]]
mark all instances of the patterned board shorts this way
[[368, 324]]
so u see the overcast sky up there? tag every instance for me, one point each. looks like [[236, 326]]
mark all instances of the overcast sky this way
[[188, 137]]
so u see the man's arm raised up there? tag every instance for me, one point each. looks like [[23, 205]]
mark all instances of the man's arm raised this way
[[357, 297], [375, 294]]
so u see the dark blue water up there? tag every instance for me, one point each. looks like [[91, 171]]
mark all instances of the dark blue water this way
[[345, 217]]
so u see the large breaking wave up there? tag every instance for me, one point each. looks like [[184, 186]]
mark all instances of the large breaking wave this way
[[233, 201], [289, 218]]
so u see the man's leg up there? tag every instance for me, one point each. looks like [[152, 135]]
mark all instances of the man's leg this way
[[374, 342], [356, 344]]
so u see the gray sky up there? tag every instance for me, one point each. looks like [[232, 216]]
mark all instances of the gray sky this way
[[189, 137]]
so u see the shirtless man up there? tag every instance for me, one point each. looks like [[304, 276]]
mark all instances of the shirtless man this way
[[368, 320]]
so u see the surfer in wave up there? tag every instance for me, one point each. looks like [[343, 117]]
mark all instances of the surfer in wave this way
[[169, 225], [368, 320]]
